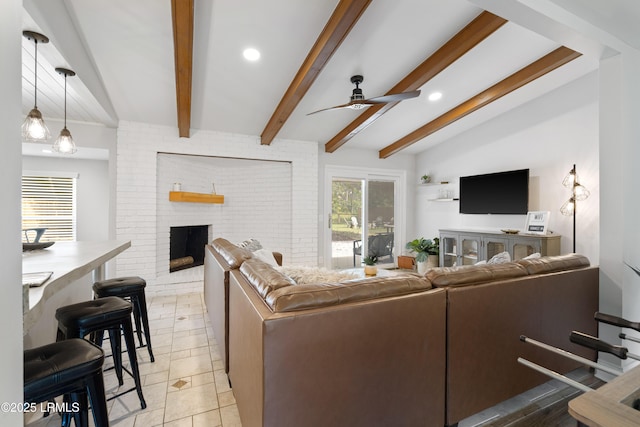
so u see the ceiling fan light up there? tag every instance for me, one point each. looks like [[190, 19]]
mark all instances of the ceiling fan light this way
[[64, 144], [34, 128], [357, 106]]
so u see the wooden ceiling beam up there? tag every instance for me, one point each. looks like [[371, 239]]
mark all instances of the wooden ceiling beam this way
[[344, 17], [471, 35], [537, 69], [182, 17]]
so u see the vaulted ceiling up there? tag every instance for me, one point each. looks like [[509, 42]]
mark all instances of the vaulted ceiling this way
[[179, 63]]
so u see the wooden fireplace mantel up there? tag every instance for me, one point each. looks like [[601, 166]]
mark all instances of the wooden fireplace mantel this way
[[185, 196]]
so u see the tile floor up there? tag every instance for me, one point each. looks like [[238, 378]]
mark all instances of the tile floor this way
[[186, 386]]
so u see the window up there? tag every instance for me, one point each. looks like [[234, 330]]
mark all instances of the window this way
[[49, 201]]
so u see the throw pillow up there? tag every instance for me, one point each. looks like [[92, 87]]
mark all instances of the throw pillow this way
[[250, 245], [483, 262], [266, 256], [534, 255], [500, 258]]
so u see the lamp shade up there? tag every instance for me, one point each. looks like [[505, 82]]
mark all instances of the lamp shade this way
[[34, 128], [580, 193], [569, 207], [64, 144]]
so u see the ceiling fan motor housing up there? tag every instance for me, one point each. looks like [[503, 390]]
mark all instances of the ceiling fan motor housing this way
[[357, 92]]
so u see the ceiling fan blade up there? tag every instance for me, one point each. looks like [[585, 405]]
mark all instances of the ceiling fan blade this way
[[392, 98], [337, 107]]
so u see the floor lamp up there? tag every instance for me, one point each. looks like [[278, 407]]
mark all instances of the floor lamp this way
[[578, 193]]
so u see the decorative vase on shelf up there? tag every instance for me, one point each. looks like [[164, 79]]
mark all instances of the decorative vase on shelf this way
[[370, 270]]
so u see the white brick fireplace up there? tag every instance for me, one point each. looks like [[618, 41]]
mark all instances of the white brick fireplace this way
[[271, 193]]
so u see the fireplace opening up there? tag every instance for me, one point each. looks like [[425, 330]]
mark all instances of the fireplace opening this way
[[186, 246]]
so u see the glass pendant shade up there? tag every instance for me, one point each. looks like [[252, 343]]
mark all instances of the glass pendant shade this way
[[568, 208], [64, 144], [34, 128]]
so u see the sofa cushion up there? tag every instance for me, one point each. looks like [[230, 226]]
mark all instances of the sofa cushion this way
[[472, 274], [550, 264], [232, 254], [302, 297], [263, 277], [305, 275]]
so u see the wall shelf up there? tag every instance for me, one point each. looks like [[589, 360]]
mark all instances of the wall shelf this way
[[185, 196], [444, 199]]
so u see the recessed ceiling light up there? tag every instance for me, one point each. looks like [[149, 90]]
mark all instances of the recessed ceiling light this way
[[434, 96], [251, 54], [46, 151]]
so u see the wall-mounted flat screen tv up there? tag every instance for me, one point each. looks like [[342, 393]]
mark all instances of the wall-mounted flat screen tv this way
[[495, 193]]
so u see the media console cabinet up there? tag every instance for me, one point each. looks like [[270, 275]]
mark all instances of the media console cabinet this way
[[467, 247]]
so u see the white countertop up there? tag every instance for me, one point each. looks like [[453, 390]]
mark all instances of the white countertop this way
[[69, 261]]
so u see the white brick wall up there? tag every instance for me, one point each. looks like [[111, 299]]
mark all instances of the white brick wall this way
[[274, 201]]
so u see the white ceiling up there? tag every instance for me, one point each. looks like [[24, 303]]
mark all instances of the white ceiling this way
[[122, 51]]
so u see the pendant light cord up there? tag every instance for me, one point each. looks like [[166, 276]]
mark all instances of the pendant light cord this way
[[65, 100], [35, 101]]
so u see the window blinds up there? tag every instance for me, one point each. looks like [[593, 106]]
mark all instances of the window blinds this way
[[49, 202]]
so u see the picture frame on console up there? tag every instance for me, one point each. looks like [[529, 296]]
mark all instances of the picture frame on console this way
[[537, 222]]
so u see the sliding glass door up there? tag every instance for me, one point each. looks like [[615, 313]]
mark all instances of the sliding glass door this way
[[362, 218]]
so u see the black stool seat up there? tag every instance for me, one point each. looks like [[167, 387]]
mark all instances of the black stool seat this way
[[93, 318], [73, 366], [119, 286], [78, 320], [132, 289]]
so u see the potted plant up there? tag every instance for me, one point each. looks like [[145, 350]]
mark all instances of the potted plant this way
[[425, 179], [370, 268], [426, 251]]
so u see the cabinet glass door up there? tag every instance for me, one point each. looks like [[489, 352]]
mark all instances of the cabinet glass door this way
[[469, 250], [448, 251], [494, 247], [524, 249]]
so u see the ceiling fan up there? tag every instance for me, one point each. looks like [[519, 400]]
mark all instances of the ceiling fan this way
[[358, 101]]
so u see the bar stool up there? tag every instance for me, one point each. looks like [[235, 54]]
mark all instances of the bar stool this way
[[73, 366], [131, 289], [94, 317]]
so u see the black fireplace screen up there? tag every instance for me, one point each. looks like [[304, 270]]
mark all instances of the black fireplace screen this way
[[186, 246]]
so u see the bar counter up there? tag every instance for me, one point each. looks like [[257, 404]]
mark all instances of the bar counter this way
[[71, 264]]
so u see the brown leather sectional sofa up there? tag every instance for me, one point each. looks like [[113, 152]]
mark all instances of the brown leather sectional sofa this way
[[401, 351]]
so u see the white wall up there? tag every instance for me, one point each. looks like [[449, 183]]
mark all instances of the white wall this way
[[92, 202], [245, 185], [137, 191], [10, 247], [547, 136]]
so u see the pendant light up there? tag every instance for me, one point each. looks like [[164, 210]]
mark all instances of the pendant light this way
[[64, 144], [33, 128]]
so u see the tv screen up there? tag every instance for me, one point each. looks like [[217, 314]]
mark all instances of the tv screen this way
[[495, 193]]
